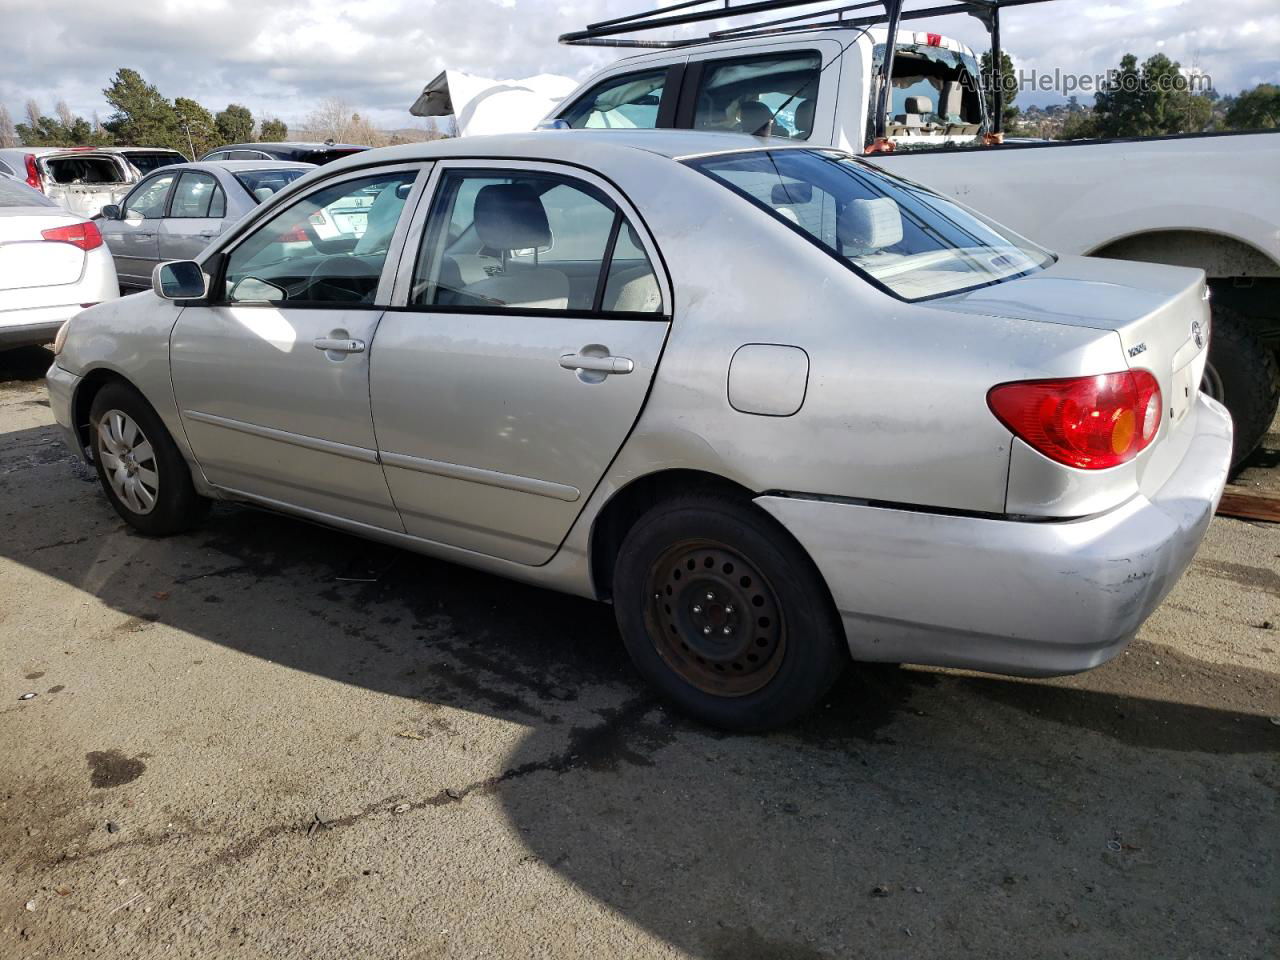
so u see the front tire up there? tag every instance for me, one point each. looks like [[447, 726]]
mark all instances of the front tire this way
[[1241, 374], [141, 470], [725, 615]]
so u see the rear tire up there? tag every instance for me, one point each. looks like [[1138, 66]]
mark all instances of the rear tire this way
[[1242, 375], [139, 466], [725, 615]]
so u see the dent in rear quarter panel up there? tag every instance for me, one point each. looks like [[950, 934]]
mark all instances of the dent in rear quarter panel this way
[[130, 337]]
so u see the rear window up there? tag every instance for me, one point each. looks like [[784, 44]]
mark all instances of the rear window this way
[[84, 170], [261, 184], [907, 240], [146, 162], [15, 194]]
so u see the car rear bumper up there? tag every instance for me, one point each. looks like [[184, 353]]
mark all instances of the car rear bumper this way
[[1008, 596], [61, 385], [24, 328]]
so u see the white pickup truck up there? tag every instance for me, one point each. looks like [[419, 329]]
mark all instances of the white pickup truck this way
[[1210, 201]]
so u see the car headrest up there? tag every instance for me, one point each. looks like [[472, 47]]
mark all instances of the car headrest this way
[[263, 194], [804, 118], [869, 224], [754, 118], [918, 105], [510, 216], [791, 191]]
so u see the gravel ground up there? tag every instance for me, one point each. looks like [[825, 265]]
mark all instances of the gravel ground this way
[[267, 739]]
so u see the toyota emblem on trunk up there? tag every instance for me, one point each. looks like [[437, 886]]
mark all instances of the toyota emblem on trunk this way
[[1197, 334]]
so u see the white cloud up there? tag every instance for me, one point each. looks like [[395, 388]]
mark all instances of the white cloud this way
[[281, 57]]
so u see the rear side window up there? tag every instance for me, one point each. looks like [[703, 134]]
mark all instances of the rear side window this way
[[628, 102], [503, 242], [262, 184], [771, 96], [197, 195], [906, 239], [319, 157], [149, 162], [15, 194]]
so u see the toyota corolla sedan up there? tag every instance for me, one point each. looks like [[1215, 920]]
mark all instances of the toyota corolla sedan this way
[[782, 409], [176, 211]]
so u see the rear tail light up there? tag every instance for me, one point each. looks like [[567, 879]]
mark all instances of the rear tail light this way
[[82, 235], [1086, 422], [34, 179]]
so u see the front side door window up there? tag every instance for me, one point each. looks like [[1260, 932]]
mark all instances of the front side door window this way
[[629, 102], [328, 247], [147, 200], [272, 375]]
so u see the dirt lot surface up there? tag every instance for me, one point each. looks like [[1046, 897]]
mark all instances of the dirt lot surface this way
[[266, 739]]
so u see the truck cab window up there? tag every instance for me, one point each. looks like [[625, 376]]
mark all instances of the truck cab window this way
[[629, 102], [769, 96]]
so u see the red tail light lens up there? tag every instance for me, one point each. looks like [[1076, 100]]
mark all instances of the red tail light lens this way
[[34, 180], [1086, 422], [82, 235], [295, 235]]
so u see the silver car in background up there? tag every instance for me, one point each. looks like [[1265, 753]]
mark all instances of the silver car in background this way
[[177, 211], [779, 407], [52, 265]]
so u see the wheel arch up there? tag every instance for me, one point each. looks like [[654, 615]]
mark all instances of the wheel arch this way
[[1219, 255], [628, 504], [88, 388]]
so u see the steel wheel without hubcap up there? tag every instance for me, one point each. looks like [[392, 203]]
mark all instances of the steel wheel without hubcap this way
[[714, 619], [128, 461]]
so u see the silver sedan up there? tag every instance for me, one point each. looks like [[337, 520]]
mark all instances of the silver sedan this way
[[782, 409], [178, 210]]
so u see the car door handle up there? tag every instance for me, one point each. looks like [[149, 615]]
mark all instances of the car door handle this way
[[334, 345], [578, 361]]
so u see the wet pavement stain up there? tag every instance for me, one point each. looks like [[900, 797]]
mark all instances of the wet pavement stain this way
[[111, 768]]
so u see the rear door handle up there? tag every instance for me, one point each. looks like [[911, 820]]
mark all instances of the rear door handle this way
[[578, 361], [334, 345]]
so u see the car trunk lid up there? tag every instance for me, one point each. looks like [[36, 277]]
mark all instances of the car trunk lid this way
[[31, 267], [1159, 313]]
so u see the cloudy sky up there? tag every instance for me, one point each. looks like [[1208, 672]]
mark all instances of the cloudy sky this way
[[283, 56]]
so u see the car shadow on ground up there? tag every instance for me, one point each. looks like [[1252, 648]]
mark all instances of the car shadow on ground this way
[[916, 809]]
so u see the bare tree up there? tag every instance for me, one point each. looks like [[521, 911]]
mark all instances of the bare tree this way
[[8, 132], [335, 120], [64, 114], [33, 114]]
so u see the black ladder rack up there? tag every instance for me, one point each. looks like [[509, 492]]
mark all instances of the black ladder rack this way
[[611, 33]]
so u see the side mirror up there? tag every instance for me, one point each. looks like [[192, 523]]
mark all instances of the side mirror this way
[[557, 123], [179, 280], [112, 212]]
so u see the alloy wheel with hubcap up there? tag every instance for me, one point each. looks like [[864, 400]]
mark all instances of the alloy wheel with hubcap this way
[[128, 461]]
